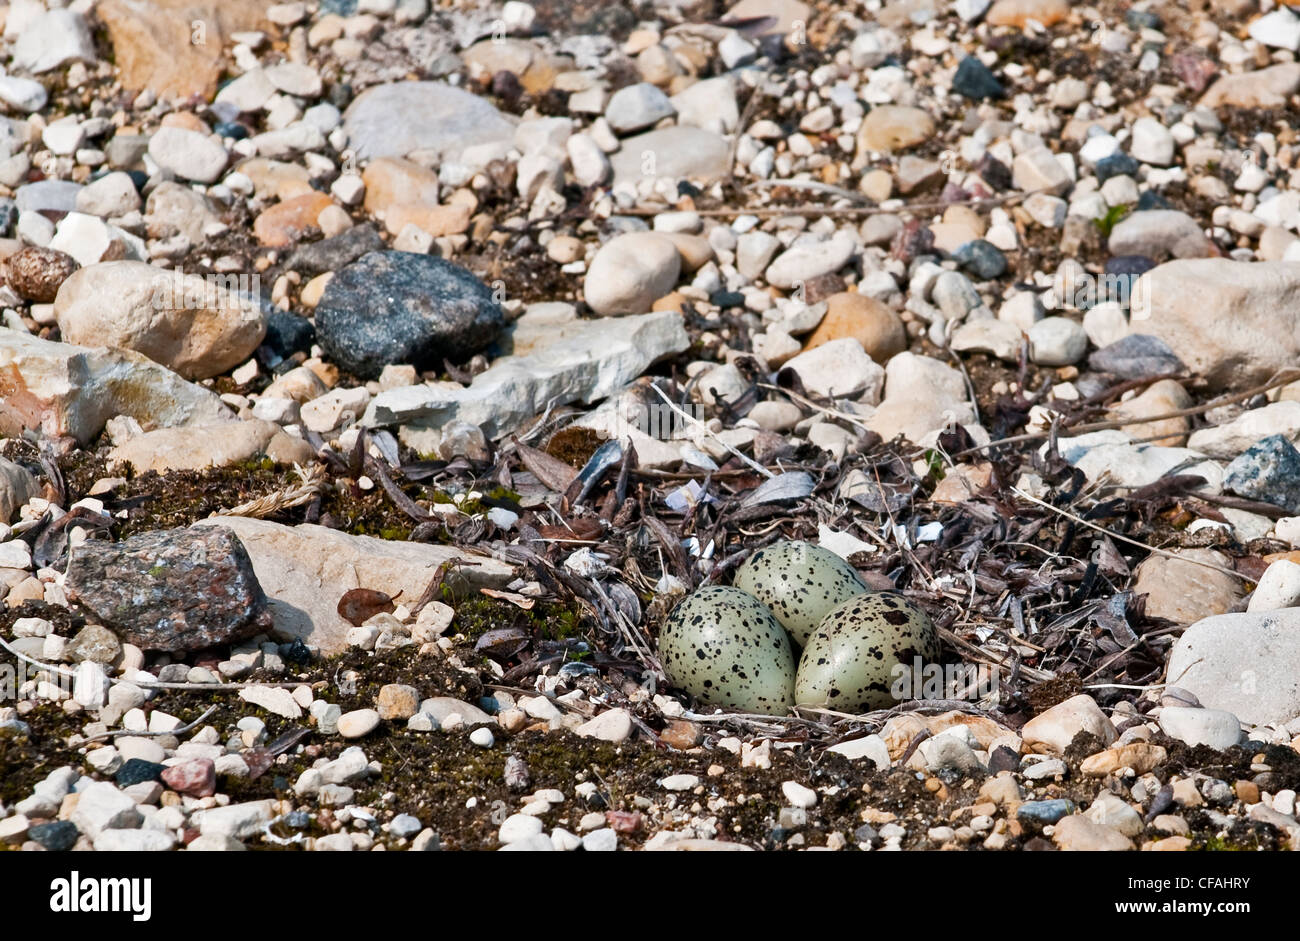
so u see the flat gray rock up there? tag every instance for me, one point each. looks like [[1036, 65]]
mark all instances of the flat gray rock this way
[[397, 119], [585, 362], [1243, 664], [306, 569], [679, 153]]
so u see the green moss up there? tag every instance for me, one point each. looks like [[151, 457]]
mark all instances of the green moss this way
[[477, 615]]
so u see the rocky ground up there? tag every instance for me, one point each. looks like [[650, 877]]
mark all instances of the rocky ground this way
[[377, 375]]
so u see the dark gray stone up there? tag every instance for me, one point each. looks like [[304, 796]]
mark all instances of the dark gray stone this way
[[975, 81], [1269, 472], [333, 253], [1136, 356], [1117, 164], [97, 643], [1048, 811], [137, 771], [288, 333], [173, 589], [398, 307], [57, 837], [981, 258]]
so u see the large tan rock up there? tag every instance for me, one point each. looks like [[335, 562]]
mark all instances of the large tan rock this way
[[1181, 590], [202, 446], [1051, 732], [173, 47], [306, 569], [888, 128], [195, 326], [69, 390], [1160, 398], [865, 319], [1235, 323], [1019, 12], [1264, 88], [17, 486]]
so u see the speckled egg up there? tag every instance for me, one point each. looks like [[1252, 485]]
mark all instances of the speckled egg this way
[[724, 647], [849, 662], [800, 583]]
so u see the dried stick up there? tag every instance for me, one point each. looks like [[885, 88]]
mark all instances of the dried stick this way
[[1114, 535]]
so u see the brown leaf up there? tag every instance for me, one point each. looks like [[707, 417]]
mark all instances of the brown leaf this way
[[518, 600], [585, 527], [360, 604], [549, 470]]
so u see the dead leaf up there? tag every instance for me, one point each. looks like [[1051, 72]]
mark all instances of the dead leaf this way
[[516, 599], [551, 471], [361, 604]]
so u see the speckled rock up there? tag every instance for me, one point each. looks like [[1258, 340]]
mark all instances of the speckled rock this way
[[173, 589], [193, 325], [397, 307], [1270, 471], [36, 273]]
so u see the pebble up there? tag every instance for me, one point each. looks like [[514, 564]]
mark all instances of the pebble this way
[[188, 154], [637, 107], [398, 118], [603, 840], [613, 725], [680, 782], [1057, 341], [1078, 833], [518, 827], [397, 701], [631, 272], [358, 723], [807, 261], [798, 795], [1052, 731], [838, 369], [1213, 727]]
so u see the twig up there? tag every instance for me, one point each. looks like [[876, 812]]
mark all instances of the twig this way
[[150, 684], [813, 210], [696, 423], [1289, 376], [312, 484], [913, 745], [179, 730], [815, 185], [1114, 535]]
